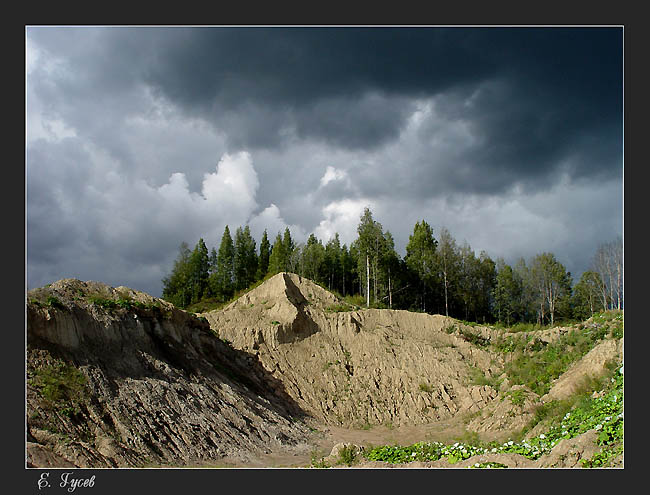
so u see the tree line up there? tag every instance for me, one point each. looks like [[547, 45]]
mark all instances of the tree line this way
[[436, 275]]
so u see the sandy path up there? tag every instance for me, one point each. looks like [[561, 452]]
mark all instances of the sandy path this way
[[326, 436]]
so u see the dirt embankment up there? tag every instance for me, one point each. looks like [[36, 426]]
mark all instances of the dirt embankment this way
[[154, 385], [282, 373], [355, 368]]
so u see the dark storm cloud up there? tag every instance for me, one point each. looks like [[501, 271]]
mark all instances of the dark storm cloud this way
[[413, 120], [546, 96], [542, 92]]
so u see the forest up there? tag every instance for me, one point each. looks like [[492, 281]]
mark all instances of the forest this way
[[436, 275]]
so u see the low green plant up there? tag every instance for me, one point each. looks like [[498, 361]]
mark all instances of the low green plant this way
[[339, 308], [59, 384], [603, 414], [603, 457], [478, 377], [54, 302], [103, 302], [347, 455], [538, 369], [450, 329], [124, 303], [488, 465], [425, 387], [474, 338], [318, 461], [517, 397], [357, 301]]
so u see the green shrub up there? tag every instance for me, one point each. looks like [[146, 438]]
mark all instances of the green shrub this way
[[474, 339], [59, 382], [450, 329], [53, 302], [125, 303], [339, 308], [103, 302], [347, 455], [517, 397]]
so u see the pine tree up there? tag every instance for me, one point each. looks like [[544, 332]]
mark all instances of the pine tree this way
[[199, 271], [222, 281], [265, 253], [245, 258], [289, 246], [332, 263], [277, 258]]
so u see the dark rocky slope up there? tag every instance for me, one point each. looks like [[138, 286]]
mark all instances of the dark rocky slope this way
[[116, 378]]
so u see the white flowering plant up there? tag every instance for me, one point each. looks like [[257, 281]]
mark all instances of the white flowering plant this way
[[603, 414]]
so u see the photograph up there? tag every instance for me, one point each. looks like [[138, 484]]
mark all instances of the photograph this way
[[322, 248]]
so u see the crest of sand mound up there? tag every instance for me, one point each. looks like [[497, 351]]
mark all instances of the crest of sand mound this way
[[358, 367]]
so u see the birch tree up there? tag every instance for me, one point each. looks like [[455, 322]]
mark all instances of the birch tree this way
[[447, 263]]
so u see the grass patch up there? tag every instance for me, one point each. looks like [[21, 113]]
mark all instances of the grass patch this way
[[425, 387], [474, 339], [318, 460], [347, 455], [604, 414], [54, 302], [517, 397], [477, 377], [61, 386], [340, 308], [102, 302], [537, 369]]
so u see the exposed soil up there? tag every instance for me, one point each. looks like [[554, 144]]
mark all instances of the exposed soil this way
[[276, 379]]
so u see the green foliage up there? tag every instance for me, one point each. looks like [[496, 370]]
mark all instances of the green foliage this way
[[318, 461], [473, 338], [355, 300], [347, 455], [341, 307], [488, 465], [245, 259], [603, 457], [223, 276], [60, 384], [537, 370], [425, 387], [604, 414], [477, 377], [265, 254], [435, 275], [517, 397], [420, 255], [53, 302], [102, 301], [450, 329]]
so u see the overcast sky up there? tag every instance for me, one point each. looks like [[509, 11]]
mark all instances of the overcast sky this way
[[138, 139]]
